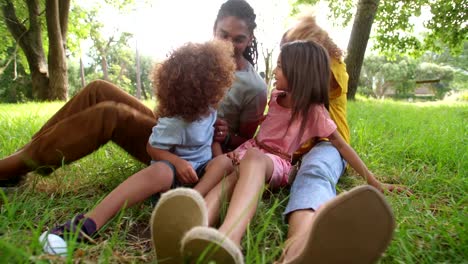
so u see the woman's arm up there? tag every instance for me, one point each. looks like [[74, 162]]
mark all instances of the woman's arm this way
[[184, 170]]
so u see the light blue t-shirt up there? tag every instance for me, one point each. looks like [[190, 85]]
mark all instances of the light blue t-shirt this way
[[190, 141]]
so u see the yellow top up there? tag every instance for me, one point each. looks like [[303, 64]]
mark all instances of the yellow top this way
[[337, 96]]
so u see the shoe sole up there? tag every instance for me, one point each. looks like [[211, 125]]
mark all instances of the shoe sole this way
[[207, 245], [355, 227], [177, 211]]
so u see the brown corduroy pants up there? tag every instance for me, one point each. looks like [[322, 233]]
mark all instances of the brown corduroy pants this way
[[99, 113]]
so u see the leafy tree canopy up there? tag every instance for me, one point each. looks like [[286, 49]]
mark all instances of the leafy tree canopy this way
[[394, 24]]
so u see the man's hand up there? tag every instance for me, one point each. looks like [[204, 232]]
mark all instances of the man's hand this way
[[221, 130]]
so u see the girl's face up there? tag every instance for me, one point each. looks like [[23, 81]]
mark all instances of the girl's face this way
[[234, 30], [281, 83]]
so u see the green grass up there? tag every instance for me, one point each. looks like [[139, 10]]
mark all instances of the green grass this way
[[423, 146]]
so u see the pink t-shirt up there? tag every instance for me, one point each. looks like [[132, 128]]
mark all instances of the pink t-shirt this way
[[274, 130], [274, 136]]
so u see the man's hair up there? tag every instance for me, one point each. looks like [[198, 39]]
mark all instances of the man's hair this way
[[242, 10]]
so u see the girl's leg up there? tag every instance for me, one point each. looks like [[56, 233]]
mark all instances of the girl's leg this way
[[156, 178], [216, 169], [255, 169]]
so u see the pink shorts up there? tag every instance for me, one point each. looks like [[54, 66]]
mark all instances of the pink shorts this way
[[281, 167]]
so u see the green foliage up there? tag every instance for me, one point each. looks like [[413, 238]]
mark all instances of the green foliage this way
[[430, 71], [78, 29], [15, 84], [381, 76], [394, 24], [459, 63]]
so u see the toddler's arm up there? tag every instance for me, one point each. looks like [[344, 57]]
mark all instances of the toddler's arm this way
[[184, 170]]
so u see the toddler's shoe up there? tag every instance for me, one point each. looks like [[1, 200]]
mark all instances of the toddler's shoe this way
[[177, 211], [80, 227]]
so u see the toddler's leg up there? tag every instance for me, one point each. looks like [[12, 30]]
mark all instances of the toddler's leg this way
[[217, 168], [156, 178]]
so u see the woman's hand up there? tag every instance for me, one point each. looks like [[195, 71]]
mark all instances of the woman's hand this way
[[185, 172], [221, 130]]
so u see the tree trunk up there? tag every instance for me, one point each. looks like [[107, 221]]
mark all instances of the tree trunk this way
[[105, 72], [82, 73], [365, 14], [58, 77], [30, 42], [138, 74]]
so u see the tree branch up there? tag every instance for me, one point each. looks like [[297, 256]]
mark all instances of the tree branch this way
[[17, 29]]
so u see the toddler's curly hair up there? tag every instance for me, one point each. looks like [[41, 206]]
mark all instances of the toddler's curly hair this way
[[193, 79]]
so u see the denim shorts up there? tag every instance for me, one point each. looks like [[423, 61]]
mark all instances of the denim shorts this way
[[175, 182], [316, 180]]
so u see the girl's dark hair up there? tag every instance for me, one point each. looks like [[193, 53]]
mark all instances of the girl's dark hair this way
[[306, 66], [242, 10]]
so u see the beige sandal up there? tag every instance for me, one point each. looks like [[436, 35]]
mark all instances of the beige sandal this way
[[177, 212], [208, 245], [355, 227]]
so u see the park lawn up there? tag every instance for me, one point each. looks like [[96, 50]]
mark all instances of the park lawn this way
[[423, 146]]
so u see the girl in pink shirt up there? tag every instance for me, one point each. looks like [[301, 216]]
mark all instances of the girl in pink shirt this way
[[297, 112]]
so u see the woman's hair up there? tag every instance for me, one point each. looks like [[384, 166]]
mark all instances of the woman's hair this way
[[306, 67], [242, 10], [307, 29], [193, 79]]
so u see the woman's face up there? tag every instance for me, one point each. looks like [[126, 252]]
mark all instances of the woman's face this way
[[235, 30], [281, 83]]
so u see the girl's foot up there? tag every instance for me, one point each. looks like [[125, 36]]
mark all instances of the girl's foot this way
[[177, 211], [208, 245]]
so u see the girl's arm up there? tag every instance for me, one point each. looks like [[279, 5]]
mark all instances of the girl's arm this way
[[184, 170], [348, 153]]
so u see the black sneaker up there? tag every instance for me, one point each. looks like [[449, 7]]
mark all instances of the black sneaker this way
[[53, 241]]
